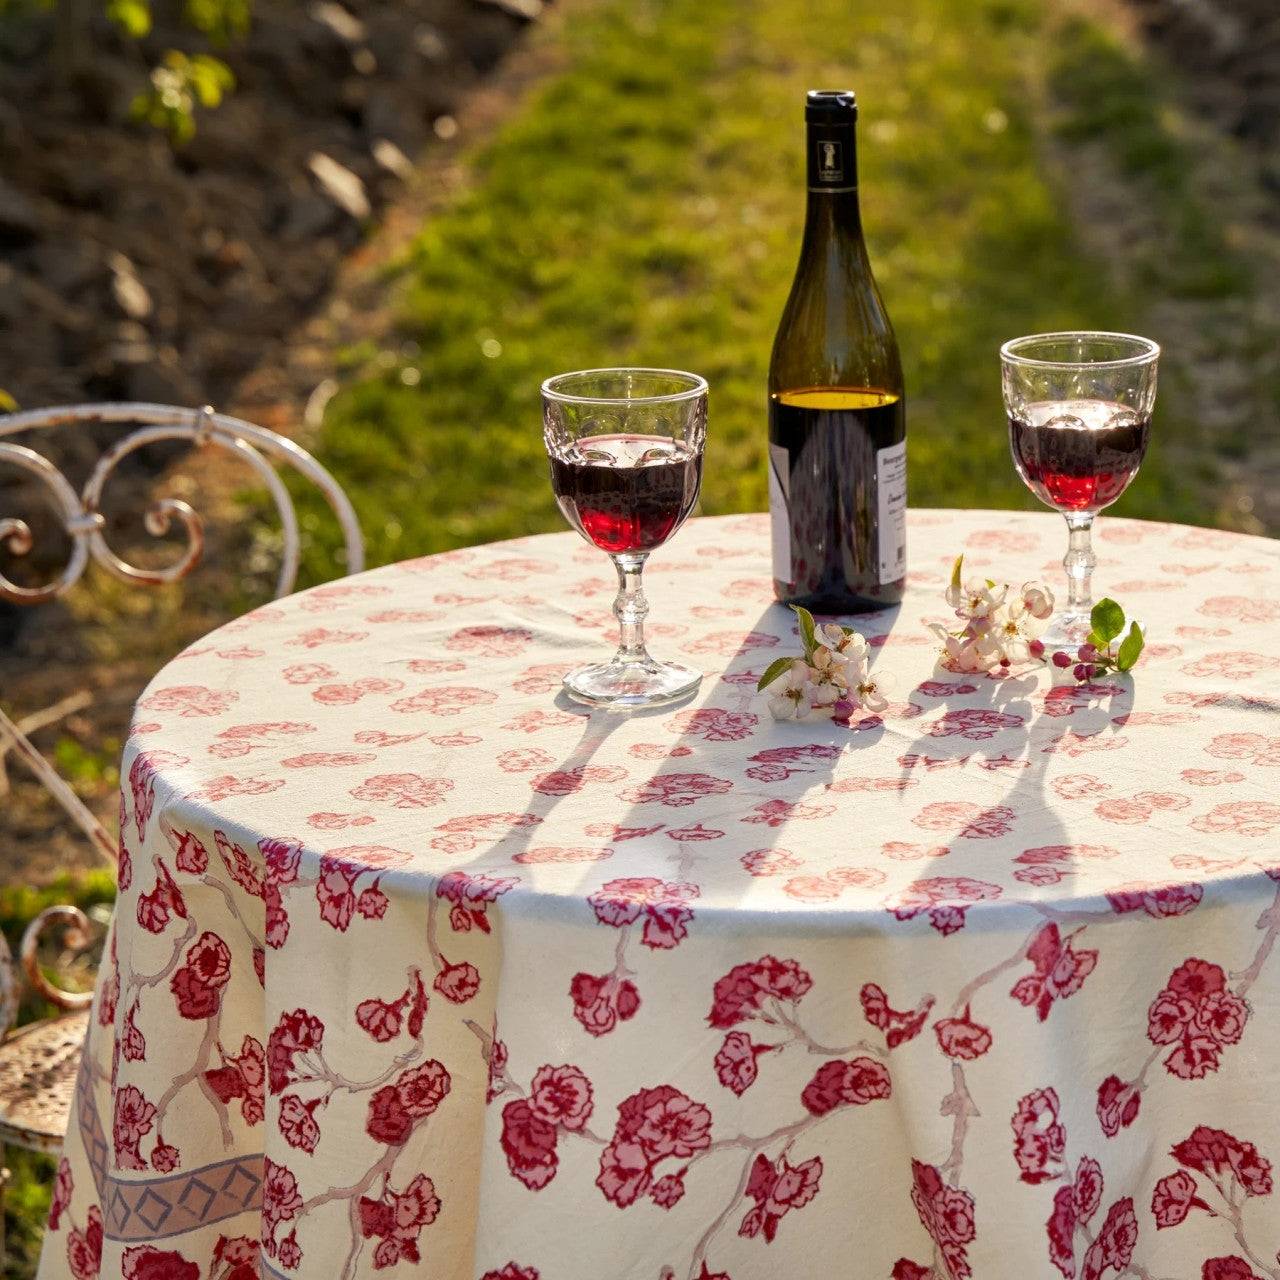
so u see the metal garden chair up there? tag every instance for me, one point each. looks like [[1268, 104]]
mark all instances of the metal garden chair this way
[[39, 1061]]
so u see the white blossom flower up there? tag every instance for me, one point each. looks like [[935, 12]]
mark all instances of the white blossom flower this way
[[1038, 600], [998, 630], [977, 598], [1012, 629], [960, 652], [851, 646], [824, 693], [873, 690], [833, 668], [788, 698]]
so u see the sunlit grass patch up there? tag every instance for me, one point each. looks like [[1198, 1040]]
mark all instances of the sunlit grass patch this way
[[646, 207]]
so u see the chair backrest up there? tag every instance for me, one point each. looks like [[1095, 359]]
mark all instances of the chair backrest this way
[[79, 514]]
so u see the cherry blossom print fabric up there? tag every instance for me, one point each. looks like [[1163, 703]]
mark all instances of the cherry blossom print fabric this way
[[420, 968]]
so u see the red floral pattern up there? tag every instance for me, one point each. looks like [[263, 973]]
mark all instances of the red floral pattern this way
[[962, 1038], [600, 1003], [1118, 1105], [197, 986], [242, 1078], [1199, 1015], [1060, 971], [946, 1213], [396, 1221], [777, 1189], [743, 992], [340, 1002], [853, 1083], [653, 1125], [142, 1262], [898, 1026], [661, 905], [1040, 1139], [395, 1109], [943, 899]]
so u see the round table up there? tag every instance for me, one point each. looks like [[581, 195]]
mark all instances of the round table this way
[[418, 964]]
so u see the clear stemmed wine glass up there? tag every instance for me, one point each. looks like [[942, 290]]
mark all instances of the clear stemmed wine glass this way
[[1079, 408], [626, 465]]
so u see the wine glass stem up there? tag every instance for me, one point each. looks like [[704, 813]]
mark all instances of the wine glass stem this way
[[1079, 563], [630, 608]]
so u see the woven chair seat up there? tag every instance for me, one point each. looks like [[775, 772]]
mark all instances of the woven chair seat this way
[[38, 1066]]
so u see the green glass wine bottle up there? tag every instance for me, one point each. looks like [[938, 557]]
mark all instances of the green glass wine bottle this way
[[837, 429]]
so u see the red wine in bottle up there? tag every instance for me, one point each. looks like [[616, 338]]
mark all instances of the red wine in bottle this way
[[837, 430]]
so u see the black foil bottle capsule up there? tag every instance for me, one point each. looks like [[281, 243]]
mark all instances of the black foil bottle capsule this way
[[837, 429]]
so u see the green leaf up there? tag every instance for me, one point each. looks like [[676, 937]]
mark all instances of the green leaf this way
[[806, 631], [1107, 619], [778, 667], [1130, 648], [7, 403], [132, 16], [221, 20], [955, 573], [210, 78]]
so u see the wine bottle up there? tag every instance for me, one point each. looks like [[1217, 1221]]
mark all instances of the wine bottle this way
[[837, 432]]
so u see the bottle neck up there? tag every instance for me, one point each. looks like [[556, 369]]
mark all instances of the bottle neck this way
[[832, 179], [832, 215], [832, 157]]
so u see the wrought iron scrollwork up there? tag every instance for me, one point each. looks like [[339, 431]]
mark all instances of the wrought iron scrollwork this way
[[75, 935], [80, 514], [81, 519]]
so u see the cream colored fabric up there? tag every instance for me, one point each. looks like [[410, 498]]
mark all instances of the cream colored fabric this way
[[985, 986]]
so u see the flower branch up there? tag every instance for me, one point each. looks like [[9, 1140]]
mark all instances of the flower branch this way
[[1099, 653], [831, 681], [1000, 628]]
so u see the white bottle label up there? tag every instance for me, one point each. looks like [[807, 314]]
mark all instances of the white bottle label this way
[[891, 483], [780, 511]]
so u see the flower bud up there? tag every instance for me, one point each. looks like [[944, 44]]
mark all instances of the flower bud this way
[[1036, 648], [1087, 653], [1080, 671], [1061, 659]]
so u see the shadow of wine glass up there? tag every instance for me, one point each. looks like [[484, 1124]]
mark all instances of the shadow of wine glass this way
[[997, 726]]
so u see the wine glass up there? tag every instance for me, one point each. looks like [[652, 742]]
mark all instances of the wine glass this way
[[1079, 408], [626, 465]]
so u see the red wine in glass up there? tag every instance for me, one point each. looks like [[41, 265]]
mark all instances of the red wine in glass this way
[[1078, 455], [625, 447], [1079, 410], [626, 493]]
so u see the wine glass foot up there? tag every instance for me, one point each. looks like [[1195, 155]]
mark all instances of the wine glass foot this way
[[1067, 631], [631, 684]]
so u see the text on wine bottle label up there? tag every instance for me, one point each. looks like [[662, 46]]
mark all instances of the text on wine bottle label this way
[[891, 486]]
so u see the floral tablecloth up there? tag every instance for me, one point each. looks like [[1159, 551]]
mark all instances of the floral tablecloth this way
[[419, 968]]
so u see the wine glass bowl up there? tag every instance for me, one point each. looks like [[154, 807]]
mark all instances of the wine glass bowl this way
[[1079, 409], [625, 448]]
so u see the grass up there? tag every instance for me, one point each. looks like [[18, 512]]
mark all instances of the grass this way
[[646, 207]]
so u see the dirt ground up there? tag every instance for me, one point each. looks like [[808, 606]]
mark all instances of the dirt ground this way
[[234, 270], [220, 313]]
